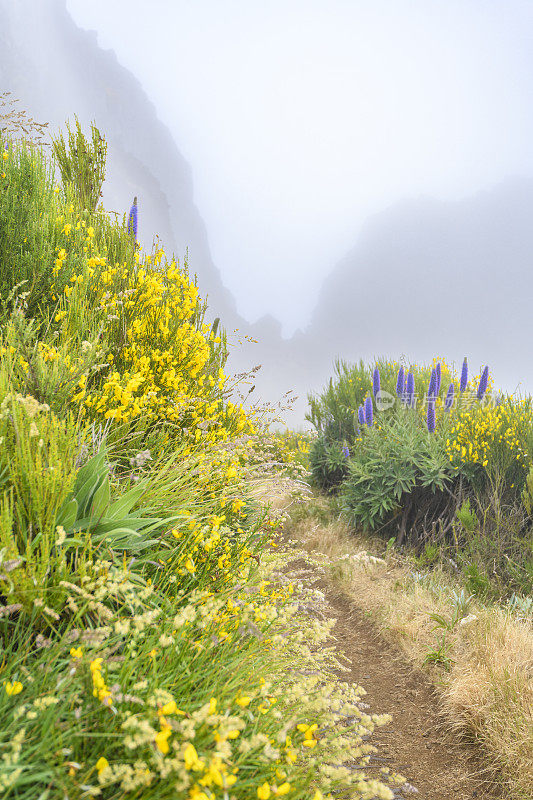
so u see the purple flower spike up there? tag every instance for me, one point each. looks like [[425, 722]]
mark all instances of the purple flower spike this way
[[369, 412], [410, 391], [346, 451], [376, 382], [464, 376], [448, 403], [432, 391], [438, 377], [431, 416], [361, 415], [400, 383], [483, 383], [132, 219]]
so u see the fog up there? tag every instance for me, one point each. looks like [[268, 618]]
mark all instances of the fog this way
[[302, 119], [357, 176]]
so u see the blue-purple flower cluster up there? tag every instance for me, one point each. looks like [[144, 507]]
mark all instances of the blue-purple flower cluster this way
[[405, 390]]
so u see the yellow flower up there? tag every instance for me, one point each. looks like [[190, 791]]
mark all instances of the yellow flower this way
[[263, 792], [102, 764], [284, 788], [56, 189], [190, 757], [318, 795], [76, 652], [13, 688], [161, 740], [242, 701], [231, 472], [5, 156]]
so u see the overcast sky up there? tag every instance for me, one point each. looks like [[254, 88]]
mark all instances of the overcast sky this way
[[300, 118]]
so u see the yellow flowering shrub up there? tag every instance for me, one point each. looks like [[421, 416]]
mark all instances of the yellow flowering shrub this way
[[164, 363], [493, 437], [291, 451]]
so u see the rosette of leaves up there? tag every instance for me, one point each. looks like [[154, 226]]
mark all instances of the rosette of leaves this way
[[327, 463], [89, 509], [397, 477]]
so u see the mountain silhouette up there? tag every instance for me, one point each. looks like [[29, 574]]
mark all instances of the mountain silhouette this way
[[433, 278]]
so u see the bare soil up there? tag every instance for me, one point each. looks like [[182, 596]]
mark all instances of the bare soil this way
[[417, 743]]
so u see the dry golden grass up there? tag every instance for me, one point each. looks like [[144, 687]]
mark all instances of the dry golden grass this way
[[488, 690]]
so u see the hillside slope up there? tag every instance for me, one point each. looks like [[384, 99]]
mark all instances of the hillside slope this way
[[437, 278]]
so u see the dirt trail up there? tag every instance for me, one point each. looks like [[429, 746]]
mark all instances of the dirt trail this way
[[416, 743]]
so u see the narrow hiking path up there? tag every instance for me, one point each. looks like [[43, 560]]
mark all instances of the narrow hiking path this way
[[416, 743]]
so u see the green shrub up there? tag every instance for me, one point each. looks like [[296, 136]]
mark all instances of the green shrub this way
[[328, 464], [28, 229], [82, 164], [397, 477]]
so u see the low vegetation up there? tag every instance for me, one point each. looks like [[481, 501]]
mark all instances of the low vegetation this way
[[424, 509], [449, 472]]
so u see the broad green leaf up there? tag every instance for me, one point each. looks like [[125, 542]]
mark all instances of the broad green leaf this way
[[125, 503], [100, 499], [68, 513]]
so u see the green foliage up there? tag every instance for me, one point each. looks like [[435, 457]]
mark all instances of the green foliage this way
[[328, 465], [477, 581], [429, 556], [440, 656], [527, 493], [37, 456], [460, 605], [27, 230], [90, 510], [467, 517], [333, 412], [387, 469], [464, 492], [493, 546], [48, 372], [82, 164]]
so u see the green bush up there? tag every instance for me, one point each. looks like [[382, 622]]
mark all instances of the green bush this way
[[82, 164], [327, 463], [463, 490], [398, 479]]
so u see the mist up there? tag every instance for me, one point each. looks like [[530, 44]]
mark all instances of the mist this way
[[349, 179], [301, 120]]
